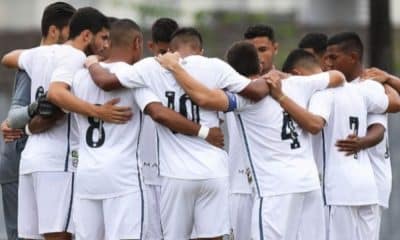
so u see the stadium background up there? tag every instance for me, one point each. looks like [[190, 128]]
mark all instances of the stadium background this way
[[222, 22]]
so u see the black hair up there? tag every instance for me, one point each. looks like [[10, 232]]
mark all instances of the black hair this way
[[347, 41], [243, 57], [112, 20], [188, 35], [162, 30], [57, 14], [299, 57], [315, 41], [122, 32], [260, 31], [87, 18]]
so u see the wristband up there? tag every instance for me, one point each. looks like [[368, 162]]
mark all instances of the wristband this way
[[27, 131], [232, 101], [281, 98], [203, 132]]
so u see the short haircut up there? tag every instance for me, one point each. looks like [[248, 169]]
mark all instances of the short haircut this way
[[57, 14], [243, 57], [315, 41], [122, 32], [187, 35], [87, 18], [112, 20], [162, 30], [347, 41], [299, 57], [259, 31]]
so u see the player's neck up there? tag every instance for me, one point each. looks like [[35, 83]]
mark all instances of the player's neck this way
[[120, 55], [77, 43], [47, 41], [356, 73]]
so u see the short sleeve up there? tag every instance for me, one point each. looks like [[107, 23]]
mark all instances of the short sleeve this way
[[242, 103], [131, 76], [374, 95], [26, 59], [377, 119], [144, 96], [67, 65], [22, 89], [316, 82], [321, 104], [228, 78]]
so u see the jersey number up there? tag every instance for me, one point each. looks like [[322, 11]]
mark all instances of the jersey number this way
[[95, 134], [289, 131], [194, 109], [354, 124]]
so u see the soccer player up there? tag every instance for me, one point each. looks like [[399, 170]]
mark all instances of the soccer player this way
[[315, 43], [380, 155], [161, 33], [43, 210], [349, 185], [110, 195], [54, 28], [243, 57], [276, 134], [194, 184], [263, 38]]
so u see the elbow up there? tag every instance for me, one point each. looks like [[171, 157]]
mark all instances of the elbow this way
[[156, 112], [257, 96], [5, 61], [337, 78], [105, 86], [316, 126]]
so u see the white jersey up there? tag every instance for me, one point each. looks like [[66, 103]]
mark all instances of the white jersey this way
[[108, 161], [50, 150], [240, 178], [182, 156], [380, 161], [347, 180], [279, 151], [148, 152]]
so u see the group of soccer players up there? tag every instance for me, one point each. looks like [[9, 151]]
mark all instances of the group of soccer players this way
[[119, 147]]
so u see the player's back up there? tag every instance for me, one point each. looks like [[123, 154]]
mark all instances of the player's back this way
[[280, 151], [348, 180], [40, 64], [183, 156], [108, 162]]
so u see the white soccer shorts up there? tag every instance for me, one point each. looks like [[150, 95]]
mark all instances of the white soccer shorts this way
[[153, 221], [45, 204], [113, 218], [199, 205], [379, 213], [241, 207], [353, 222], [295, 216]]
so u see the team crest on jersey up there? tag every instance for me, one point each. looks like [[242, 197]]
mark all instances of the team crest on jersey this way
[[249, 176], [75, 158]]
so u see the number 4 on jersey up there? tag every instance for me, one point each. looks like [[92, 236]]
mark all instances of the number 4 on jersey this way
[[289, 131]]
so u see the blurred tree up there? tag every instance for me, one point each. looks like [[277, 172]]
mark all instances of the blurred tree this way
[[380, 35]]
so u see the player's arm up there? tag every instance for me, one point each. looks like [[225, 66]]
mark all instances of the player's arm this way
[[102, 77], [306, 120], [383, 77], [10, 60], [150, 104], [213, 99], [353, 144], [394, 99], [180, 124], [59, 93], [336, 79]]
